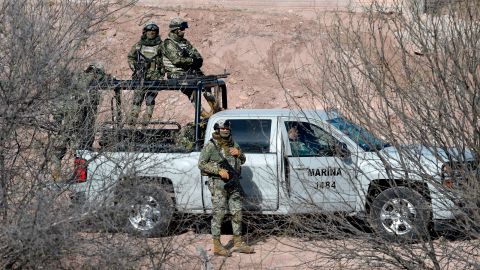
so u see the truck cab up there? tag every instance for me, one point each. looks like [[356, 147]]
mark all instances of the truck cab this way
[[275, 179]]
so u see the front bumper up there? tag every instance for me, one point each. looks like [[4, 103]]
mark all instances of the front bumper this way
[[466, 218]]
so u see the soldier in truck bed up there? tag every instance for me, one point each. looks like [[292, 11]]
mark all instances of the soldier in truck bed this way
[[145, 60], [181, 59], [186, 138]]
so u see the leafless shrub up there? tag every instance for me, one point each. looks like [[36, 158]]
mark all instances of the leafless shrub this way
[[411, 79], [44, 46]]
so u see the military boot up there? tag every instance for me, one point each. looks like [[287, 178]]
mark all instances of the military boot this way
[[218, 249], [205, 114], [212, 102], [56, 174], [240, 246], [147, 116], [56, 170], [213, 106], [132, 117]]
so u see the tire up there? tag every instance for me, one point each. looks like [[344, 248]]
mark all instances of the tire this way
[[144, 210], [400, 214]]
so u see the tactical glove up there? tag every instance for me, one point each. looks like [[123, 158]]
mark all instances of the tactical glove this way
[[197, 63], [234, 151]]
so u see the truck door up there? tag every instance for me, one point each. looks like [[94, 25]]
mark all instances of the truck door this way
[[259, 173], [320, 171]]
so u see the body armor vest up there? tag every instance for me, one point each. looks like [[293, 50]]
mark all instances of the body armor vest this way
[[169, 66], [150, 52]]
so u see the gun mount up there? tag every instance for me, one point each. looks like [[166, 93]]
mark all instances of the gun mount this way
[[193, 83]]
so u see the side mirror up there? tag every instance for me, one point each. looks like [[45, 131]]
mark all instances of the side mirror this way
[[342, 150]]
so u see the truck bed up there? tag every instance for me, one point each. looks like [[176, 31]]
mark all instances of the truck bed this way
[[164, 139]]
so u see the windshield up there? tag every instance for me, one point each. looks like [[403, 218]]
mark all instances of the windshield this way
[[366, 140]]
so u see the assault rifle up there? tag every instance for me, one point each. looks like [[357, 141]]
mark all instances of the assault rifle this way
[[232, 173], [141, 66], [186, 82]]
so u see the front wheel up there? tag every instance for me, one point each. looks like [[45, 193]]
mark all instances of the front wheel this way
[[400, 214], [145, 210]]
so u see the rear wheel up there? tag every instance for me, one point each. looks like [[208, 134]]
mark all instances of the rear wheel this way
[[400, 214], [145, 210]]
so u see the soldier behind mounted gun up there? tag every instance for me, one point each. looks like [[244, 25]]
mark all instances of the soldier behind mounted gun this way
[[181, 59], [145, 60]]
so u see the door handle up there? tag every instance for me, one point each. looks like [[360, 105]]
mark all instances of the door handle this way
[[300, 168]]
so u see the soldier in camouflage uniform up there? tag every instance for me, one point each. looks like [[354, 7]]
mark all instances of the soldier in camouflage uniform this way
[[76, 115], [186, 139], [145, 60], [298, 147], [180, 59], [88, 99], [222, 147]]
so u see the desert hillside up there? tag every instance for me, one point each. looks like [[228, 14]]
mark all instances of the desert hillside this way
[[260, 43]]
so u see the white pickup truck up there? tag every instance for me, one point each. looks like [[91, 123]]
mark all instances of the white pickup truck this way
[[345, 170]]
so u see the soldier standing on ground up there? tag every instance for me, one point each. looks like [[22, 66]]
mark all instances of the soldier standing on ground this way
[[181, 59], [145, 60], [76, 115], [220, 148]]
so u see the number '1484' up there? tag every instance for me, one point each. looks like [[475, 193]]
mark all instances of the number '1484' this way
[[327, 184]]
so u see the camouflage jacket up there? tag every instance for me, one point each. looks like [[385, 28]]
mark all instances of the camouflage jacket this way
[[85, 85], [211, 156], [148, 57], [187, 134], [69, 104], [179, 56]]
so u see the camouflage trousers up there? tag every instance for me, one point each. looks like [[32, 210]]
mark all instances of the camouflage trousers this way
[[148, 96], [76, 124], [223, 200], [139, 95], [76, 130]]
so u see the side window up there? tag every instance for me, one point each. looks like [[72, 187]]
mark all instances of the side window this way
[[308, 140], [252, 135]]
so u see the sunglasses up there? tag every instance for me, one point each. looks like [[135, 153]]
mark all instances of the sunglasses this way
[[183, 26]]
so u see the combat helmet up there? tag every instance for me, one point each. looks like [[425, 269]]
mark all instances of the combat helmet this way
[[177, 23], [95, 67], [222, 124], [151, 26]]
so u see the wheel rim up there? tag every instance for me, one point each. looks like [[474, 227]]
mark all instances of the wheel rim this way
[[145, 214], [397, 216]]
